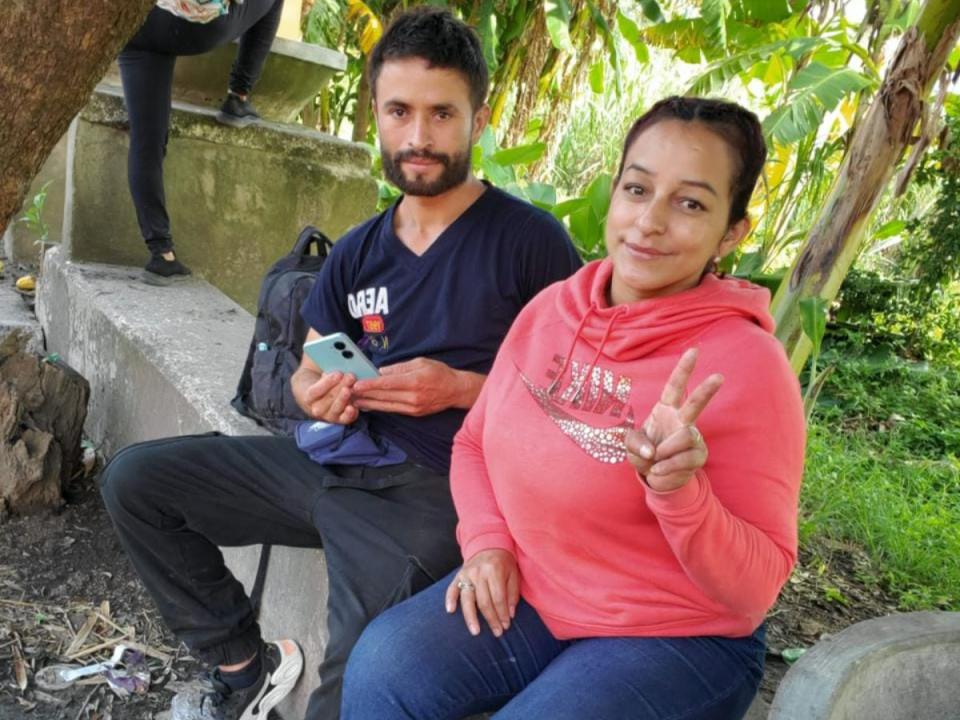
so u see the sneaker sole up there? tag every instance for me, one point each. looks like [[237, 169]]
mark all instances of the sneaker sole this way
[[234, 121], [151, 278], [286, 676]]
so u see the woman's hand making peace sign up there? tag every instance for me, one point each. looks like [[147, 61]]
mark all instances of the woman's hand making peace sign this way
[[668, 449]]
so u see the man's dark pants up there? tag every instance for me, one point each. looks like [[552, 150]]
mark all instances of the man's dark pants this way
[[386, 532]]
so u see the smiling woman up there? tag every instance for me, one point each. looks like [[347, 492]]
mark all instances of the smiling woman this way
[[625, 522], [680, 199]]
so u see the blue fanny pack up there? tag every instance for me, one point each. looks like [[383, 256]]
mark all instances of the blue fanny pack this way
[[354, 444]]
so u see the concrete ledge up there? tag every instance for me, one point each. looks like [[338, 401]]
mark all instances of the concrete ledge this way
[[164, 362], [902, 666]]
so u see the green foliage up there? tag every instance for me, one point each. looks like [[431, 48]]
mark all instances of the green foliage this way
[[885, 316], [33, 215], [811, 93], [723, 71], [813, 318], [715, 15], [883, 471], [932, 253], [558, 15], [651, 9], [584, 216]]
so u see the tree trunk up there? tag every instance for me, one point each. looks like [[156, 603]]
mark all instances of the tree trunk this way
[[878, 145], [52, 54], [361, 118]]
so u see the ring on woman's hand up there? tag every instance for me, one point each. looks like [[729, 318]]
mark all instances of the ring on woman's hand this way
[[697, 437], [466, 585]]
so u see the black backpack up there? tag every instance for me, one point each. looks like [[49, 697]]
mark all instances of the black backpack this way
[[264, 392]]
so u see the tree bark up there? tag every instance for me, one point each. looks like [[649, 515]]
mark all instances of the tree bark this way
[[878, 145], [361, 119], [52, 54]]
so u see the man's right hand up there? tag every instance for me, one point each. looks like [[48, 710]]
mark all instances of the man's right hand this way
[[326, 396]]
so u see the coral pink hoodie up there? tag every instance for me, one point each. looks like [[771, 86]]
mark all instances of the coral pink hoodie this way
[[540, 469]]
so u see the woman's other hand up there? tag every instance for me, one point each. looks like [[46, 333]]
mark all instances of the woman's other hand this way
[[490, 581], [668, 449]]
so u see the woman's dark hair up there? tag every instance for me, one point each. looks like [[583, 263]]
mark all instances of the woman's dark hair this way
[[736, 125], [435, 35]]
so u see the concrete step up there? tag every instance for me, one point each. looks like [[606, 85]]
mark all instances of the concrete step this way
[[164, 362]]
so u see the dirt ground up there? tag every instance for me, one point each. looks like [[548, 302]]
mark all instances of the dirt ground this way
[[62, 572], [57, 571]]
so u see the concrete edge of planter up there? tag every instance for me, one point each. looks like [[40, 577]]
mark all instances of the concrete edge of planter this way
[[818, 679], [309, 52]]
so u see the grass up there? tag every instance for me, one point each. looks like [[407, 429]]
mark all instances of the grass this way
[[883, 471]]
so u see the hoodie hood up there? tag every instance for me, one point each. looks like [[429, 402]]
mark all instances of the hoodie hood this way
[[634, 330]]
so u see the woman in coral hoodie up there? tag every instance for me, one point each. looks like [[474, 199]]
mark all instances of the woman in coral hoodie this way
[[627, 482]]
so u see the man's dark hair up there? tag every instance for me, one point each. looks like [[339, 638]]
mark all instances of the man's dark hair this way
[[435, 35], [735, 125]]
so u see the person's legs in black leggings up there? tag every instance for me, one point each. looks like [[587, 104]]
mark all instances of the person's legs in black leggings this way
[[254, 48], [147, 78], [146, 70]]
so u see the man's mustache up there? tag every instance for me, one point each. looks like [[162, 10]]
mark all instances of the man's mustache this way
[[404, 155]]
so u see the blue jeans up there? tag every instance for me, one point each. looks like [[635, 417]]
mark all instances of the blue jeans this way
[[416, 662]]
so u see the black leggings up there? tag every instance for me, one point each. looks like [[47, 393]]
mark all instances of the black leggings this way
[[146, 69]]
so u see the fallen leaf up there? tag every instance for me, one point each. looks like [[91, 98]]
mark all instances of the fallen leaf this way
[[19, 670]]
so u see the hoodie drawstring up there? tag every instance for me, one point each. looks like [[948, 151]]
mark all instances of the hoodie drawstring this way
[[589, 371], [573, 344]]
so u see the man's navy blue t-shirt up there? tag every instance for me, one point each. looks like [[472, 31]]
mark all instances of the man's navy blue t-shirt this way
[[453, 304]]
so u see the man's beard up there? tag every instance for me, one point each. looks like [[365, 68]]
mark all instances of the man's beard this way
[[456, 169]]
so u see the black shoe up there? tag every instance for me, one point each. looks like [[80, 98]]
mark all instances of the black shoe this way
[[236, 112], [164, 272], [282, 665]]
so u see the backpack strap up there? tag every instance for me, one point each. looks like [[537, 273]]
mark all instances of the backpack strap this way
[[256, 594], [309, 237], [245, 384]]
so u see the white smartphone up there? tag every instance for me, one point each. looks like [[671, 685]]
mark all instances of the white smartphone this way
[[337, 352]]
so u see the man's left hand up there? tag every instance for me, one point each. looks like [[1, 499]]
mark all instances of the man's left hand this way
[[417, 387]]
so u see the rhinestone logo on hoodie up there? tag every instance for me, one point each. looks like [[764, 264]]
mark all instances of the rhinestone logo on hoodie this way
[[591, 389]]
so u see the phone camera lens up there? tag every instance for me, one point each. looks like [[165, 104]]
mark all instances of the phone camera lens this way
[[348, 354], [340, 346]]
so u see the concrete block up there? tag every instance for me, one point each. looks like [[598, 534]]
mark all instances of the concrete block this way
[[237, 198], [19, 329], [891, 668], [293, 75], [163, 362], [19, 241]]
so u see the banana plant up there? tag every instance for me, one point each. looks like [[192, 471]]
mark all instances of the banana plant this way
[[875, 149]]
